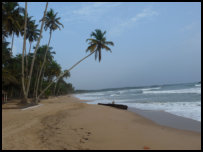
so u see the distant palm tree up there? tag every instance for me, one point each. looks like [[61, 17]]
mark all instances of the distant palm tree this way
[[98, 43], [52, 23]]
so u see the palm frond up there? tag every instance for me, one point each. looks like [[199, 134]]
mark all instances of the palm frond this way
[[109, 43]]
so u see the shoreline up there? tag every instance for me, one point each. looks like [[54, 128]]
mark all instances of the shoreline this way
[[65, 123], [169, 120], [164, 118]]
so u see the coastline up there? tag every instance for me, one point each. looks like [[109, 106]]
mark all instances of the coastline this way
[[66, 123], [164, 118]]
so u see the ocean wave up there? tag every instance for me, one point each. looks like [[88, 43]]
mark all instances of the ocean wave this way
[[113, 95], [190, 110], [191, 90], [148, 89], [197, 85]]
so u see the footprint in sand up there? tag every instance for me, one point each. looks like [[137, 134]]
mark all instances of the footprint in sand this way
[[88, 133], [85, 138], [81, 141]]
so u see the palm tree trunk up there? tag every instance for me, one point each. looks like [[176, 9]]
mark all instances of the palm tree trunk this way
[[12, 43], [62, 75], [27, 64], [35, 84], [43, 63], [33, 60], [26, 67], [42, 80], [24, 100], [55, 88]]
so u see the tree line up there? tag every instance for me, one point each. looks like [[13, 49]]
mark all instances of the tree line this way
[[35, 74]]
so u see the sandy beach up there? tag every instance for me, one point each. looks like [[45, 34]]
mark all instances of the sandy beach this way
[[65, 123]]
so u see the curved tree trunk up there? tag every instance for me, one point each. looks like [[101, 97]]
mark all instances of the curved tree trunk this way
[[37, 99], [39, 76], [24, 100], [33, 60]]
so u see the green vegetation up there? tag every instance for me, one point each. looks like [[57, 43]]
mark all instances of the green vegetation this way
[[36, 75]]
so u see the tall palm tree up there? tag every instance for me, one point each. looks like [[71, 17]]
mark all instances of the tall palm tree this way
[[32, 34], [24, 47], [52, 23], [12, 19], [25, 93], [96, 45]]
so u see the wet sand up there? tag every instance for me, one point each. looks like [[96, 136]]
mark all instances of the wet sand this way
[[170, 120], [64, 123]]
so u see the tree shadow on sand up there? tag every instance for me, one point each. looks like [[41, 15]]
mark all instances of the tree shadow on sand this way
[[16, 104]]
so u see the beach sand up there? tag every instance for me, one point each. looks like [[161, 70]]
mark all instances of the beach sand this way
[[64, 123]]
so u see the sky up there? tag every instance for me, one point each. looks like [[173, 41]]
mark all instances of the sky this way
[[155, 43]]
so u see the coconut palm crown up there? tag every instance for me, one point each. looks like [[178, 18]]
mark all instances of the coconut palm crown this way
[[98, 42], [51, 21]]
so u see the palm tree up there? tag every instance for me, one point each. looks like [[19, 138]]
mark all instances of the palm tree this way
[[96, 45], [12, 19], [32, 33], [25, 93], [52, 23]]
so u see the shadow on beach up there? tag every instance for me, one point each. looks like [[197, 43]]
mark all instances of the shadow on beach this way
[[16, 104]]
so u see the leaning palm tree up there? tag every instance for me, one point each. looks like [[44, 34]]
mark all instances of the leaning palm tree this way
[[95, 46], [52, 23]]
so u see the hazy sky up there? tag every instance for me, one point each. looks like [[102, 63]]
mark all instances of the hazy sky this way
[[155, 43]]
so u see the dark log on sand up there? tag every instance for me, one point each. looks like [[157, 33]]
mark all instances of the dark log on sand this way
[[119, 106]]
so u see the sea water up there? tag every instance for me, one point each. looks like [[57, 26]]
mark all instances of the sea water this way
[[178, 99]]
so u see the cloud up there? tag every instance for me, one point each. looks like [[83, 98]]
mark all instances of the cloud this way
[[96, 7], [146, 13], [90, 11]]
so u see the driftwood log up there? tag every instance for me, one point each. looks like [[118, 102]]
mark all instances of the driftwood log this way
[[119, 106]]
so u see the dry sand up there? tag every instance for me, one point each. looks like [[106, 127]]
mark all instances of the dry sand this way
[[64, 123]]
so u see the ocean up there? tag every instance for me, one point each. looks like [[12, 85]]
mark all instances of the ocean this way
[[178, 99]]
